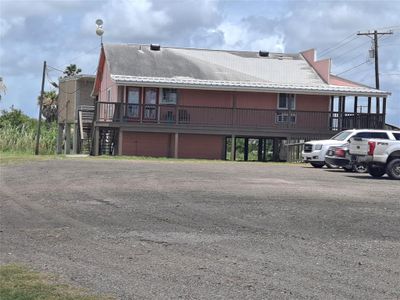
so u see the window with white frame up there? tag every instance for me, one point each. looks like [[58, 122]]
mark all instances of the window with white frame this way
[[284, 117], [286, 101], [169, 96]]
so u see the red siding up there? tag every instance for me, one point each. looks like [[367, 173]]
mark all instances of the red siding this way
[[162, 145], [146, 144], [225, 99], [205, 98], [107, 83], [312, 103], [256, 100], [201, 146]]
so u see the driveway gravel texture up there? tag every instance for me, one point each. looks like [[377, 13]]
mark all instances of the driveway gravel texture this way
[[138, 229]]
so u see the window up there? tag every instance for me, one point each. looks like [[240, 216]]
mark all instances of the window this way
[[133, 95], [396, 136], [341, 136], [150, 100], [169, 96], [372, 135], [133, 99], [284, 117], [286, 101]]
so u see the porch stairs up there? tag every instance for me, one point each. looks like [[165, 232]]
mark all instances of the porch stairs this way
[[85, 123], [108, 141]]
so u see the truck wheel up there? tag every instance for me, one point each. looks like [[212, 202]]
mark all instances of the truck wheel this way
[[361, 168], [393, 169], [317, 165], [376, 171]]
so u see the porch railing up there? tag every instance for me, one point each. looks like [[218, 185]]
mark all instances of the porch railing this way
[[234, 117]]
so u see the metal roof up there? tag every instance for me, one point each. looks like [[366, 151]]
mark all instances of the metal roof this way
[[217, 69], [77, 77]]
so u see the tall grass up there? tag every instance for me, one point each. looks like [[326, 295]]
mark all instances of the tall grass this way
[[22, 138]]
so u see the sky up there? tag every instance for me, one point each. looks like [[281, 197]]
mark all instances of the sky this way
[[63, 32]]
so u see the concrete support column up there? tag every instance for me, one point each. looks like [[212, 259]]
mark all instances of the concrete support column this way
[[60, 138], [233, 147], [246, 149], [67, 147], [176, 145], [355, 125], [75, 140], [120, 134], [275, 149], [96, 141], [260, 149], [264, 151]]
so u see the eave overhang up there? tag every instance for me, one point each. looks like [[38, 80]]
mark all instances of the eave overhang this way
[[190, 83]]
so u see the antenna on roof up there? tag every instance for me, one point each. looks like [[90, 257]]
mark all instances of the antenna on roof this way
[[100, 30]]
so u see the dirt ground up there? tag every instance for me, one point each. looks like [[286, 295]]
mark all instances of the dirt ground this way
[[203, 230]]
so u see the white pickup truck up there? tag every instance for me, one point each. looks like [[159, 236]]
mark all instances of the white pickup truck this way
[[314, 151], [382, 156]]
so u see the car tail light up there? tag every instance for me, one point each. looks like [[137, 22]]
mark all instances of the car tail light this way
[[371, 148], [340, 152]]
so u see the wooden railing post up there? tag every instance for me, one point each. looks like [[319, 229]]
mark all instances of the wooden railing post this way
[[121, 112], [141, 112], [355, 112], [383, 112]]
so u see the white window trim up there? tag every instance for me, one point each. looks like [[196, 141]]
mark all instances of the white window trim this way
[[279, 118], [287, 103]]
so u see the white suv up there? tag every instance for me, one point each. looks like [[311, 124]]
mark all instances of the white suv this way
[[314, 151]]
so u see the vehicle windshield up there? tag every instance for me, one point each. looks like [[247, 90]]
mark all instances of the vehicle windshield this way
[[341, 136]]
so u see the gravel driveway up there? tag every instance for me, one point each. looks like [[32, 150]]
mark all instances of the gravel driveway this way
[[203, 230]]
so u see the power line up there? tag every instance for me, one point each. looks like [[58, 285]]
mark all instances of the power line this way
[[338, 45], [352, 68], [343, 54], [79, 56]]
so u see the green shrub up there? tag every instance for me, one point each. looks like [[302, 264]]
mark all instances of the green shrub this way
[[18, 134]]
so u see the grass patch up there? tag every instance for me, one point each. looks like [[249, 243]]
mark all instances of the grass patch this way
[[20, 157], [20, 283], [17, 157], [193, 160]]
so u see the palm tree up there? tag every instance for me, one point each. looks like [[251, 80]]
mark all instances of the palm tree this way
[[72, 70], [49, 108], [3, 88]]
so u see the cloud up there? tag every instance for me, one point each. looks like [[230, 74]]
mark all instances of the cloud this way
[[243, 35], [63, 32], [174, 22]]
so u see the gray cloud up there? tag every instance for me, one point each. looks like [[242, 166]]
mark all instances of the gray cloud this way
[[62, 32]]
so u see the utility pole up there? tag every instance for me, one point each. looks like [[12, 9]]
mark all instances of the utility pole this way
[[375, 35], [40, 110]]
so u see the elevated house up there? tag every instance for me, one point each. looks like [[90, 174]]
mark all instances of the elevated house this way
[[75, 114], [198, 103]]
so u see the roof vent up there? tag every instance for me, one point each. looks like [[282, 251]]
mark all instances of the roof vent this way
[[263, 53], [155, 47]]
